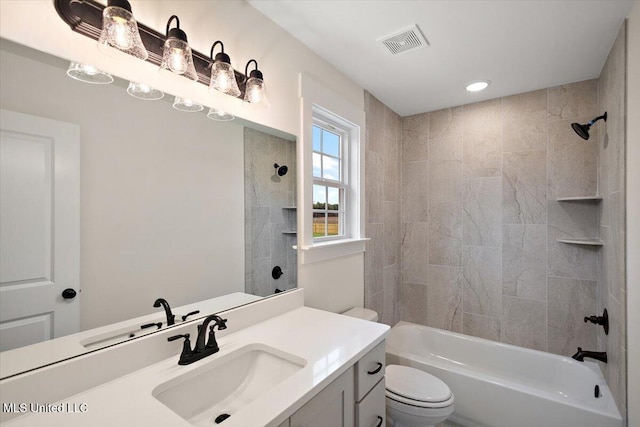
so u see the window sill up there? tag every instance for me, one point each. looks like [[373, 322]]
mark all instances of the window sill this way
[[331, 249]]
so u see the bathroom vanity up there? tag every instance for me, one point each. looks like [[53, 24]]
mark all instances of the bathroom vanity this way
[[279, 364]]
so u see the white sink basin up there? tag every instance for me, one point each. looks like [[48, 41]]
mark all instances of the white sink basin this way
[[227, 383]]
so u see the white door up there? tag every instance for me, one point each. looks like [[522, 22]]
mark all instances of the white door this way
[[39, 229]]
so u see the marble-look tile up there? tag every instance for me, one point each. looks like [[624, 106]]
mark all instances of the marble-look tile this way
[[524, 323], [374, 110], [572, 220], [260, 232], [614, 350], [482, 211], [482, 281], [525, 121], [415, 252], [374, 187], [617, 251], [413, 303], [392, 124], [445, 170], [573, 100], [481, 326], [444, 297], [415, 192], [391, 275], [482, 147], [570, 300], [524, 187], [292, 262], [391, 232], [445, 234], [374, 260], [375, 302], [415, 138], [573, 162], [524, 261], [446, 123], [390, 305], [279, 247], [257, 168], [261, 277], [391, 170]]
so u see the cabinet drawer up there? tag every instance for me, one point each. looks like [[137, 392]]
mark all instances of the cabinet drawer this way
[[369, 370], [371, 411]]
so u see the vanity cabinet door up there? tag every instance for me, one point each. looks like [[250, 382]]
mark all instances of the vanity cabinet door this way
[[369, 370], [333, 406], [371, 411]]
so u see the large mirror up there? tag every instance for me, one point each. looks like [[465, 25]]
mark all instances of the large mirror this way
[[168, 204]]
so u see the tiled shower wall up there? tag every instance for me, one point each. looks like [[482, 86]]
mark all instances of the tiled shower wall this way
[[480, 219], [611, 183], [269, 217], [382, 212]]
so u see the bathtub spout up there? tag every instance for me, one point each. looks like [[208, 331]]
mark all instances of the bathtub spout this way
[[598, 355]]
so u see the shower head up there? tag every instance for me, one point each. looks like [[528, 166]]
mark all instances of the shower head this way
[[282, 170], [583, 130]]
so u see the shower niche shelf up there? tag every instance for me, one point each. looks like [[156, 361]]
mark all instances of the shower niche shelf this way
[[583, 242], [593, 199], [289, 232], [290, 208]]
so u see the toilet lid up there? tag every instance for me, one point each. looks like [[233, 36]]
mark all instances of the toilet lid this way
[[414, 384]]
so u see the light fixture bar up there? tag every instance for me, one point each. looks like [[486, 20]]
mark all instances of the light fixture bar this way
[[85, 18]]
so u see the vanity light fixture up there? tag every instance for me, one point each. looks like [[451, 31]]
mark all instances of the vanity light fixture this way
[[187, 105], [478, 85], [120, 30], [88, 74], [176, 53], [143, 91], [219, 115], [255, 91], [223, 78]]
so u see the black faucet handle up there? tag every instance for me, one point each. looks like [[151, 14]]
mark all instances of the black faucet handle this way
[[190, 314], [222, 324], [187, 353], [149, 325]]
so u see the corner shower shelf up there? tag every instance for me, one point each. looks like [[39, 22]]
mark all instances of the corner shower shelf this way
[[289, 232], [596, 199], [584, 242], [291, 208]]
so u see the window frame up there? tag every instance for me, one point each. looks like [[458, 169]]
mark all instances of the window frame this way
[[324, 123]]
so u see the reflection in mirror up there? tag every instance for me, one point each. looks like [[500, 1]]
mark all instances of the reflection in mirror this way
[[159, 205]]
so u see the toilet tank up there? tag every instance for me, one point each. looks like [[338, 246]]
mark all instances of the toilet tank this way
[[362, 313]]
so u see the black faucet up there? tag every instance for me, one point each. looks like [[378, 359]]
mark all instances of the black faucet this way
[[598, 355], [171, 318], [201, 350]]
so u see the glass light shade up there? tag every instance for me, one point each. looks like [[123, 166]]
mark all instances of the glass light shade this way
[[223, 79], [255, 92], [177, 58], [143, 91], [184, 104], [219, 115], [88, 74], [120, 32]]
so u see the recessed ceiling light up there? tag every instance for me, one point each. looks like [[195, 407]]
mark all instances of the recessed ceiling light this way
[[478, 85]]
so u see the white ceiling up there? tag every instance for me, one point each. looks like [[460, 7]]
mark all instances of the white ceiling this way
[[519, 45]]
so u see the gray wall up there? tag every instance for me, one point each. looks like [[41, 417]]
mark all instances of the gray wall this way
[[266, 194], [611, 183], [382, 212]]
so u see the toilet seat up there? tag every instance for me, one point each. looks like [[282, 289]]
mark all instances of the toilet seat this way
[[413, 387]]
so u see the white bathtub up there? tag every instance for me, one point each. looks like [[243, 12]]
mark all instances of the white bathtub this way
[[501, 385]]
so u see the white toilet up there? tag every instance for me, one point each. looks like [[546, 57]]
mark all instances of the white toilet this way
[[414, 398]]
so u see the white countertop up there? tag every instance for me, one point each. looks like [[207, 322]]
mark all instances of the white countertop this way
[[32, 356], [330, 343]]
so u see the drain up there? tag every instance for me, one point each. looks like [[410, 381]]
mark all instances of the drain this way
[[220, 418]]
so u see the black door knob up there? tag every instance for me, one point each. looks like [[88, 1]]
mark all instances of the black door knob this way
[[69, 293]]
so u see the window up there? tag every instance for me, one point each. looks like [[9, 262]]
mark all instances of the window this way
[[330, 180]]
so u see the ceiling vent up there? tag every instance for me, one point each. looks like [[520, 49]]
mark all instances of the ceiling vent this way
[[404, 40]]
